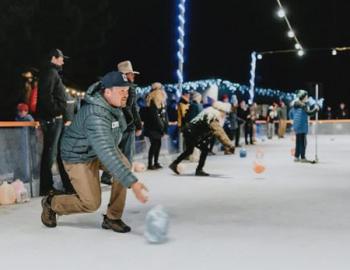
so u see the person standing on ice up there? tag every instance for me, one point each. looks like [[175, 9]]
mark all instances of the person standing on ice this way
[[91, 143], [156, 123], [300, 115], [51, 109], [200, 131]]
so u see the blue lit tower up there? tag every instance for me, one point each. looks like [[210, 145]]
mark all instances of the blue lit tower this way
[[252, 77], [181, 43]]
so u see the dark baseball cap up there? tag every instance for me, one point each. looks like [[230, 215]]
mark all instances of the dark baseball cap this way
[[57, 53], [115, 79]]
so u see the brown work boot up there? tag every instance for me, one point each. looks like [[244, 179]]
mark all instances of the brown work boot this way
[[116, 225], [48, 216]]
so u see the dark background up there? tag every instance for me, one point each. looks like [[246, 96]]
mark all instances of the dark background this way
[[220, 37]]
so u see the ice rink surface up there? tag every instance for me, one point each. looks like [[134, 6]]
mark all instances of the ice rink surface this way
[[294, 216]]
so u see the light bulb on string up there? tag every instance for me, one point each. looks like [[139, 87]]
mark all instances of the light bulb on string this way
[[334, 52], [297, 46], [291, 34], [301, 53], [281, 13], [260, 56]]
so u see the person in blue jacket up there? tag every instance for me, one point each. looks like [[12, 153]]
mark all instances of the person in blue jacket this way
[[300, 115]]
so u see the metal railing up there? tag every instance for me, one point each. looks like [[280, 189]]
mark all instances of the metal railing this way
[[21, 147]]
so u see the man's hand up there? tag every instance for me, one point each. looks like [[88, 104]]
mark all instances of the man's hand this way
[[68, 123], [231, 149], [139, 190], [138, 132]]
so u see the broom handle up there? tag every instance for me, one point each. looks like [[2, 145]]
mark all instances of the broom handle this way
[[316, 123]]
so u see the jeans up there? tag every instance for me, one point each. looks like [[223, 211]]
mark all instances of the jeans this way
[[270, 130], [52, 132], [300, 145]]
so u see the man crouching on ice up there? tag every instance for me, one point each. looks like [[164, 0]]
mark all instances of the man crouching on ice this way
[[200, 131], [90, 144]]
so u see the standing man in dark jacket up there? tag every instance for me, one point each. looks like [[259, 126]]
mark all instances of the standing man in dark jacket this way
[[91, 143], [52, 102], [132, 117]]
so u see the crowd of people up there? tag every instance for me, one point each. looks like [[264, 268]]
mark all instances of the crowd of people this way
[[101, 135]]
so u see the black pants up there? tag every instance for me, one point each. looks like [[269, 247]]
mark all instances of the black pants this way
[[238, 135], [248, 132], [154, 150], [189, 150], [300, 145], [52, 132], [212, 143], [230, 133]]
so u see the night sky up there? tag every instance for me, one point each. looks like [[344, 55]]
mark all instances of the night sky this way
[[220, 37]]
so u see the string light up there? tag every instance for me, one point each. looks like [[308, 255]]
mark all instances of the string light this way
[[301, 52], [224, 86], [334, 52], [75, 93], [291, 33], [297, 46], [181, 43], [252, 77], [281, 13]]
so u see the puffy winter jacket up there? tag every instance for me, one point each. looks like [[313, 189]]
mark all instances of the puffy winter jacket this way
[[96, 132], [300, 115]]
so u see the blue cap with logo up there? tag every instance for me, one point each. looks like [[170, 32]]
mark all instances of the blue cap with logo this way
[[115, 79]]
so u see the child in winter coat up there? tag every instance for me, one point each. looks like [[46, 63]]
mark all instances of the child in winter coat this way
[[300, 116], [22, 113]]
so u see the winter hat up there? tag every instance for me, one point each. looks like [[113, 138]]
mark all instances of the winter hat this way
[[301, 94], [22, 107], [222, 106]]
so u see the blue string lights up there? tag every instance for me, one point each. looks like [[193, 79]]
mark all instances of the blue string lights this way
[[181, 44], [252, 77], [224, 86]]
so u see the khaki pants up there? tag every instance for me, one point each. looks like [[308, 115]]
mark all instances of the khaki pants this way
[[86, 182], [282, 125]]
